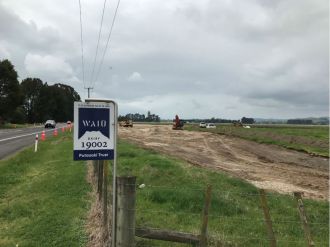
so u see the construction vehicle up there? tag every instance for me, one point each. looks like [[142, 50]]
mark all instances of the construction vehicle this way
[[126, 123], [177, 123]]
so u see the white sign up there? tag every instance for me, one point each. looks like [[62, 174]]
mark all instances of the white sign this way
[[94, 132]]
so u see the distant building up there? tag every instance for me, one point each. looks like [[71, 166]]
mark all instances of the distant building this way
[[152, 117]]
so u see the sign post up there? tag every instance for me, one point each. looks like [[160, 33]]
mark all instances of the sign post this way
[[95, 137]]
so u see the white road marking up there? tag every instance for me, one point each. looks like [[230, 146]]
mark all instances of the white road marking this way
[[9, 130], [15, 137]]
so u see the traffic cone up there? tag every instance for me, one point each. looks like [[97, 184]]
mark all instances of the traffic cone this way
[[55, 132], [43, 135]]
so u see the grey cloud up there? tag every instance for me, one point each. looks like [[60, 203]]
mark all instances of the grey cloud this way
[[301, 98], [24, 35], [229, 58]]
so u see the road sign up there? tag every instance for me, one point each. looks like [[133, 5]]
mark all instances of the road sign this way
[[94, 132]]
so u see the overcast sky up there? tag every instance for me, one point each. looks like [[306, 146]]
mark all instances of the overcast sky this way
[[207, 58]]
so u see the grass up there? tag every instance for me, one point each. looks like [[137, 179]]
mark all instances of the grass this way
[[43, 197], [44, 201], [310, 139], [173, 198]]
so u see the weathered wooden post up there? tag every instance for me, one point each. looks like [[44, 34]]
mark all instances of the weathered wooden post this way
[[205, 217], [268, 221], [303, 218], [125, 218]]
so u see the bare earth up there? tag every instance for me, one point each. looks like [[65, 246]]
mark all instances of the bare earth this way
[[266, 166]]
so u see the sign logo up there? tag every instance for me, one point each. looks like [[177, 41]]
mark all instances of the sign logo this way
[[93, 120]]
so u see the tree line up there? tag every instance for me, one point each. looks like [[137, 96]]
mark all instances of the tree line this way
[[243, 120], [32, 100], [137, 117]]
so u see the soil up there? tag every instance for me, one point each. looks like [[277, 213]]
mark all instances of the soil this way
[[266, 166]]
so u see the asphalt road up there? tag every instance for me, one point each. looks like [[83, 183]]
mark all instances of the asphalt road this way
[[13, 140]]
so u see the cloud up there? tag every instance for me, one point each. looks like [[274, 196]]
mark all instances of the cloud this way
[[4, 53], [135, 77], [202, 58], [49, 67]]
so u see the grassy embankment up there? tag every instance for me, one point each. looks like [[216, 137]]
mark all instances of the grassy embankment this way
[[44, 200], [310, 139], [43, 197]]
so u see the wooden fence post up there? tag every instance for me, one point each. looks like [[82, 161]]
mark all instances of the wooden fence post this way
[[125, 218], [268, 221], [303, 218], [205, 217]]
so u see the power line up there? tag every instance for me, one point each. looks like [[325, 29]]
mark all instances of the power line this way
[[82, 45], [98, 41], [107, 44]]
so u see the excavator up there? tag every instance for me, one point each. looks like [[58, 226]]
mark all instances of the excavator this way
[[126, 123], [177, 123]]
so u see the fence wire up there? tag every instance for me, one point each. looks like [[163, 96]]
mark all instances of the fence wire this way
[[234, 219], [243, 224]]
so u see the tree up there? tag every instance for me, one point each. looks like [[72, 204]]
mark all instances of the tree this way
[[300, 121], [65, 97], [31, 88], [56, 102], [246, 120], [18, 116], [10, 94]]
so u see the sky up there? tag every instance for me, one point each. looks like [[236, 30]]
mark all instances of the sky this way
[[198, 59]]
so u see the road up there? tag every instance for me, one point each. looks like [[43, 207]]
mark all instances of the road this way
[[13, 140]]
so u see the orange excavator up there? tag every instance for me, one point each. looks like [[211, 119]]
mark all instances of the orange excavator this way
[[177, 123]]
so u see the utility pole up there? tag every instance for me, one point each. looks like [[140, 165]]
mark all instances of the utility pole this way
[[88, 89]]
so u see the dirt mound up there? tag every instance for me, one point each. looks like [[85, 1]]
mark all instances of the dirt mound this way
[[266, 166]]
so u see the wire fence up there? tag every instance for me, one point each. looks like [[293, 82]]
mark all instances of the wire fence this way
[[234, 218]]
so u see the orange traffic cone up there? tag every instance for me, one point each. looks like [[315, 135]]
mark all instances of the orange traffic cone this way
[[55, 132], [43, 135]]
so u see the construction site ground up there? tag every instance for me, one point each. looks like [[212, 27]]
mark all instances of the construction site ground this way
[[266, 166]]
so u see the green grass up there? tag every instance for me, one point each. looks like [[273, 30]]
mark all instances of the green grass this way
[[44, 201], [43, 197], [174, 197], [310, 139]]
